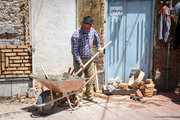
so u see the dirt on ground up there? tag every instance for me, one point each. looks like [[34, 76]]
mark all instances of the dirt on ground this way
[[115, 107]]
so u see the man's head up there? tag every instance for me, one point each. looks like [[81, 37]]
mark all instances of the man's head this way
[[86, 24]]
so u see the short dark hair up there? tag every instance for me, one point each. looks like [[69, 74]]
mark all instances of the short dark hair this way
[[88, 20]]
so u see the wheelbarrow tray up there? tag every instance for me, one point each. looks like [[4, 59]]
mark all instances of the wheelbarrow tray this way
[[62, 86]]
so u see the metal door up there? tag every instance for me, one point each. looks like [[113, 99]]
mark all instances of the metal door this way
[[129, 27]]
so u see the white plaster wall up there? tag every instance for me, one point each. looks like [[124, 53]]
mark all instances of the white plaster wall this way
[[54, 24]]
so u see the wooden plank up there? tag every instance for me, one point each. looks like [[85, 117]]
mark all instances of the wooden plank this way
[[96, 79], [124, 92], [121, 91]]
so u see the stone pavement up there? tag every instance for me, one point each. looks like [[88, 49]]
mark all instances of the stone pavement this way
[[114, 107]]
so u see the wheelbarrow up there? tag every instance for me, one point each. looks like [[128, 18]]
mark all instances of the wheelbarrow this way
[[60, 88]]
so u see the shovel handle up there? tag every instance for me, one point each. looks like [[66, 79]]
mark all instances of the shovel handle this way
[[92, 59]]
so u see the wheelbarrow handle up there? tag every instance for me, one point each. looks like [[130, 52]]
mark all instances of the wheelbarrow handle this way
[[92, 59]]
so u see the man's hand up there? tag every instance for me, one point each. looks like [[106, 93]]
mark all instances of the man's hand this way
[[82, 65], [101, 50]]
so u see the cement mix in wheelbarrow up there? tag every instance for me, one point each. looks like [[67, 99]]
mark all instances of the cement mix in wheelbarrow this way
[[64, 77]]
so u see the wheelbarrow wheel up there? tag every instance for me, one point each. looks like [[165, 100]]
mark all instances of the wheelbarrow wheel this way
[[45, 97]]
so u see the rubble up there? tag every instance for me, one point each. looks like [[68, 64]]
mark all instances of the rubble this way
[[113, 84], [134, 86], [31, 93]]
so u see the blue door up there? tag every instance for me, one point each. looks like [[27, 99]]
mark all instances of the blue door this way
[[129, 27]]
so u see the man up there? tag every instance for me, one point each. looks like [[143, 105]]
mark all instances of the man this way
[[82, 50]]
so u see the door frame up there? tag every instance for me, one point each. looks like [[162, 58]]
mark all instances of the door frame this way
[[151, 38]]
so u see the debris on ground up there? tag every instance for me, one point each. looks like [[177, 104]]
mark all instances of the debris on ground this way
[[113, 84], [134, 86]]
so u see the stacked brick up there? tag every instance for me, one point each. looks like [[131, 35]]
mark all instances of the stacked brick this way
[[149, 88], [15, 62]]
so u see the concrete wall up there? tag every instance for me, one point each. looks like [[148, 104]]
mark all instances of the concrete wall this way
[[54, 24], [10, 88]]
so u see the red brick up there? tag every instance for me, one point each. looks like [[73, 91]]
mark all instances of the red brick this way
[[3, 66], [10, 54], [15, 65], [11, 76], [25, 61], [24, 46], [2, 57], [27, 100], [22, 68], [18, 50], [149, 85], [28, 57], [22, 54], [28, 64], [18, 72], [138, 93], [7, 72], [8, 69], [2, 76], [7, 62], [11, 46], [17, 61], [27, 72], [2, 47], [149, 81], [6, 50], [23, 75], [14, 58]]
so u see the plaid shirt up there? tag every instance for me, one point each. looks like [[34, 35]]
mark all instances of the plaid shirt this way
[[82, 43]]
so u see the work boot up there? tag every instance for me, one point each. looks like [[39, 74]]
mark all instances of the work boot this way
[[77, 101], [92, 99]]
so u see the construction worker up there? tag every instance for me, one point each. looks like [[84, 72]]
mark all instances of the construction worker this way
[[82, 50]]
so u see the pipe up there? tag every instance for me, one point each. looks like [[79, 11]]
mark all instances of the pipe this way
[[32, 37], [168, 55], [167, 67]]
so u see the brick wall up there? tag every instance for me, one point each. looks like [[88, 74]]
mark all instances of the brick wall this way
[[160, 57], [14, 22], [15, 62]]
